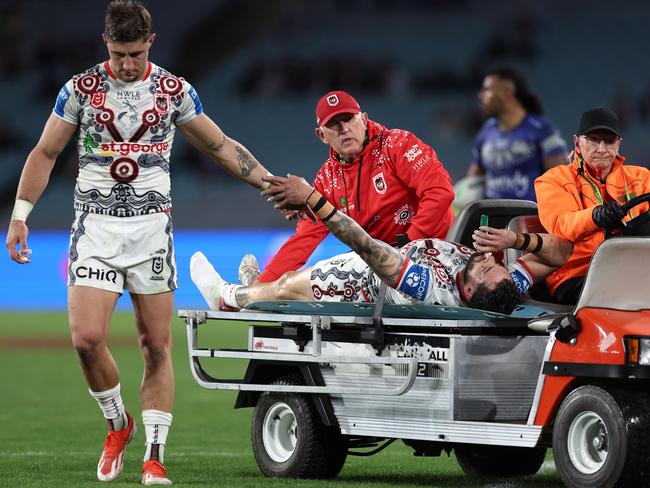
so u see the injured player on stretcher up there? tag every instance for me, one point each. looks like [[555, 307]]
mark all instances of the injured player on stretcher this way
[[430, 271]]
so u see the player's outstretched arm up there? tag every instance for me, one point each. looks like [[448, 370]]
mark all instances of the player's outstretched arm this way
[[294, 192], [33, 180], [546, 252], [208, 138]]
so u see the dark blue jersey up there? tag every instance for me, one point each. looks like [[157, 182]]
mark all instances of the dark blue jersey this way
[[512, 160]]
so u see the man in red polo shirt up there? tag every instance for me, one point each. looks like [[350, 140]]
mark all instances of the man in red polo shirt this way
[[387, 180]]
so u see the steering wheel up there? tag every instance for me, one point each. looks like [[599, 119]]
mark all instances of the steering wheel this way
[[638, 226]]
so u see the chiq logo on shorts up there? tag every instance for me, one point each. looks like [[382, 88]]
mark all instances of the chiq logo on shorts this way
[[96, 274]]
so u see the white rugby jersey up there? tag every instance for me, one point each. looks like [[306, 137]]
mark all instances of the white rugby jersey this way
[[429, 274], [126, 130]]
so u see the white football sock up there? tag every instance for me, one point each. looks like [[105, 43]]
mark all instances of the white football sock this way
[[110, 401], [156, 427], [206, 279]]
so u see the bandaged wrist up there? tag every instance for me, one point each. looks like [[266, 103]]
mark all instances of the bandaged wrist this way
[[323, 209], [528, 242], [313, 198], [22, 209]]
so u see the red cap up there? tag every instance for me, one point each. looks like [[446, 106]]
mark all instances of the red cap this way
[[334, 103]]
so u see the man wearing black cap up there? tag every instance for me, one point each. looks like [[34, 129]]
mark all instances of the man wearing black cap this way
[[387, 180], [581, 201]]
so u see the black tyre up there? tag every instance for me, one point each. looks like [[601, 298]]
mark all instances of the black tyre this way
[[601, 438], [499, 461], [290, 440]]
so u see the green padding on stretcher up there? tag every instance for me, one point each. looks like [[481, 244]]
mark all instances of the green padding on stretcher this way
[[394, 311]]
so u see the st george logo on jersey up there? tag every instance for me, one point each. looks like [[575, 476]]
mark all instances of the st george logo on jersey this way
[[379, 183], [161, 103]]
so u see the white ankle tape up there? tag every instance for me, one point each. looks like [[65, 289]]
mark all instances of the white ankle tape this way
[[228, 295], [156, 427], [110, 401]]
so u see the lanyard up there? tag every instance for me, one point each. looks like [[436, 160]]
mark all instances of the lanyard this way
[[596, 190]]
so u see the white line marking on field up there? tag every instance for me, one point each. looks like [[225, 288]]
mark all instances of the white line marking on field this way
[[84, 453], [24, 454], [209, 453]]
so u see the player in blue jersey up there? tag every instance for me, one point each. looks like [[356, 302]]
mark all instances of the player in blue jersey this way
[[122, 236], [516, 144]]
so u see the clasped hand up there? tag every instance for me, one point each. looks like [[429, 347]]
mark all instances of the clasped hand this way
[[288, 193]]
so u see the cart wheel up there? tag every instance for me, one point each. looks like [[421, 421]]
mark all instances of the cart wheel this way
[[290, 440], [601, 439], [501, 461]]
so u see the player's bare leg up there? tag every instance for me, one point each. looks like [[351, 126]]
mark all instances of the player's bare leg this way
[[89, 311], [153, 314], [294, 285]]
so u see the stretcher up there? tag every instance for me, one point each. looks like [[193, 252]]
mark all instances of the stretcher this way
[[330, 380]]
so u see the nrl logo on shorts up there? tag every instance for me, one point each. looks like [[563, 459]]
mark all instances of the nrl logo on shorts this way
[[98, 99], [333, 100], [157, 265], [162, 103], [379, 183]]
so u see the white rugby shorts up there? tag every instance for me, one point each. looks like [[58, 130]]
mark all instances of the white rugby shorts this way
[[135, 254], [344, 278]]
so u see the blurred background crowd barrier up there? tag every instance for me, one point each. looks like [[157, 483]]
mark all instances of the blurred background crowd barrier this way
[[259, 68]]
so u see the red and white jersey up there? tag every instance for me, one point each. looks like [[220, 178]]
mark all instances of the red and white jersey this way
[[126, 130], [431, 271]]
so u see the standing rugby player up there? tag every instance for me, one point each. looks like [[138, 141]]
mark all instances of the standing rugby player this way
[[516, 144], [121, 238]]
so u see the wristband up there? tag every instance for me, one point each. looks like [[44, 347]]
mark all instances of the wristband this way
[[22, 209]]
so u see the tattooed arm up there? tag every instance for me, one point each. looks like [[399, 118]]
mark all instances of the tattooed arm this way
[[295, 193], [384, 260], [208, 138]]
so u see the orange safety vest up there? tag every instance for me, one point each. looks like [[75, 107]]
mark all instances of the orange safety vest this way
[[566, 199]]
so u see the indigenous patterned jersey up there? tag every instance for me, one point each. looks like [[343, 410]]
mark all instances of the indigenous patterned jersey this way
[[431, 271], [429, 275], [126, 130], [512, 160]]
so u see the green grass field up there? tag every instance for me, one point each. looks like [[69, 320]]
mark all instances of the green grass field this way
[[52, 430]]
